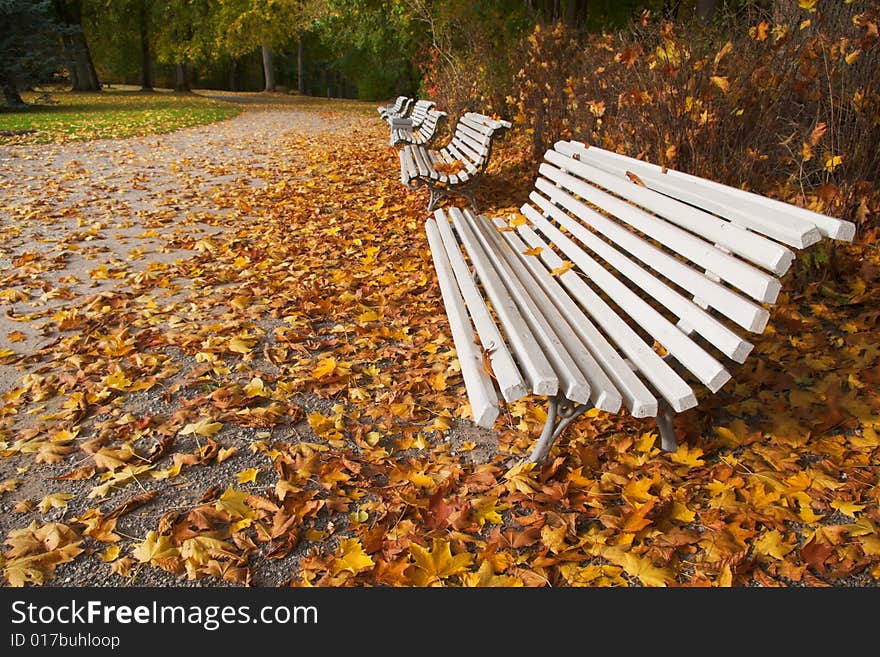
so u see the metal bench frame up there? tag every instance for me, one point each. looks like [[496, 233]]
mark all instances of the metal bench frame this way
[[707, 255]]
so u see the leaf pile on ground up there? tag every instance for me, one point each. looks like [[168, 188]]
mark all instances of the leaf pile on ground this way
[[284, 406]]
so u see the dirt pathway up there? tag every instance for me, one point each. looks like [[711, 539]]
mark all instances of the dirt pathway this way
[[77, 217]]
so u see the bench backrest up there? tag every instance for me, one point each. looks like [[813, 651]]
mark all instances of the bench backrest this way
[[471, 142], [420, 110], [663, 258], [430, 123]]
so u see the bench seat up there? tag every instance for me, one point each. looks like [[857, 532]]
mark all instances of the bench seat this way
[[620, 286]]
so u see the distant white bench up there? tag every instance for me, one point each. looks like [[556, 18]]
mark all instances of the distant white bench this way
[[413, 116], [398, 109], [615, 257], [423, 134], [455, 168]]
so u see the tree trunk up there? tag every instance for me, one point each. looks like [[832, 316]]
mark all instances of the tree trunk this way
[[268, 71], [83, 76], [233, 75], [146, 58], [10, 91], [181, 84], [300, 84]]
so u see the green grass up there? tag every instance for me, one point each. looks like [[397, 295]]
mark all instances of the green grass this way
[[117, 114]]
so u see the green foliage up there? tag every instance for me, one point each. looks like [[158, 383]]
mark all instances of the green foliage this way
[[28, 43]]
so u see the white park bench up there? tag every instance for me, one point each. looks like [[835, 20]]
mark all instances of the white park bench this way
[[457, 167], [422, 134], [612, 257], [414, 116], [399, 108]]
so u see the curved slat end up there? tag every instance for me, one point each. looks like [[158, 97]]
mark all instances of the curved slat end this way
[[644, 408], [759, 322], [717, 382], [440, 214], [682, 403], [547, 387], [741, 352], [771, 291], [485, 417], [578, 393], [514, 392], [608, 401], [782, 263], [846, 231], [810, 237]]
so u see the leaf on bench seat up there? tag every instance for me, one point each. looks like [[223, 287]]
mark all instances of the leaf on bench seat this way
[[449, 168], [561, 269]]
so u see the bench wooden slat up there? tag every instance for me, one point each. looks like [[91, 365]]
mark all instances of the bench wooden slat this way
[[755, 248], [477, 382], [798, 233], [469, 155], [535, 366], [716, 333], [570, 324], [510, 380], [480, 151], [481, 138], [759, 285], [573, 384], [732, 305], [700, 363], [775, 211], [666, 381]]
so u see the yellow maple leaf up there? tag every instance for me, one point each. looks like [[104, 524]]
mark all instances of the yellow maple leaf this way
[[204, 427], [689, 457], [833, 161], [533, 252], [637, 490], [247, 476], [562, 269], [554, 538], [486, 509], [255, 388], [324, 368], [773, 544], [485, 577], [117, 380], [241, 344], [647, 573], [848, 508], [54, 501], [436, 564], [721, 82], [233, 502], [110, 554], [809, 5], [681, 512], [155, 547], [438, 381], [351, 557]]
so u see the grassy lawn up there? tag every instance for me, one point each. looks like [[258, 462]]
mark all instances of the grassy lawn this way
[[69, 116]]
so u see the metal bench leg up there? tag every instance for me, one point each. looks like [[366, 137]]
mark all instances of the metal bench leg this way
[[435, 196], [566, 411], [668, 441]]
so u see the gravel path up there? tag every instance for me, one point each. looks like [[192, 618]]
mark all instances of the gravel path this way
[[78, 220], [104, 197]]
